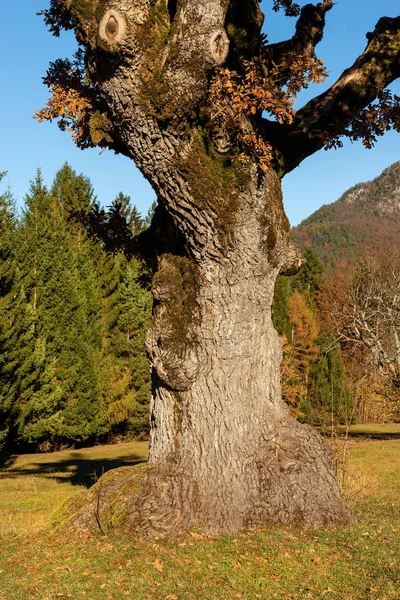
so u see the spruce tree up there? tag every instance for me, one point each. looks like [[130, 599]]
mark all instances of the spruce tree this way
[[74, 193], [280, 307], [26, 354], [134, 322], [126, 316], [149, 216], [54, 358], [7, 267], [73, 318], [331, 398], [119, 233]]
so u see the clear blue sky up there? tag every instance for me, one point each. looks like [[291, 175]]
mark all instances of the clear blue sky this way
[[26, 49]]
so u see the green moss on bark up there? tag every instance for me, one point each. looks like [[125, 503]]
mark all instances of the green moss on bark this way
[[215, 182], [100, 127], [176, 285], [152, 39], [273, 219], [67, 512], [122, 502], [103, 508], [85, 8], [176, 321]]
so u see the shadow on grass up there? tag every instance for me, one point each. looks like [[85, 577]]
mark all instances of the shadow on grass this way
[[373, 435], [76, 470], [392, 433]]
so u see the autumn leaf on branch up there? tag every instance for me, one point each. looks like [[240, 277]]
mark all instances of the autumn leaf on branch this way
[[263, 86], [73, 103]]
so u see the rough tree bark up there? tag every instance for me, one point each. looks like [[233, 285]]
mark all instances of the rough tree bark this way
[[225, 453]]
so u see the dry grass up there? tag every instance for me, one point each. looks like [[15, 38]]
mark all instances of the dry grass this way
[[375, 430], [33, 485], [355, 563]]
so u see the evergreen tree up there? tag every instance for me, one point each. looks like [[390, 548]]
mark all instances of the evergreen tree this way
[[24, 345], [73, 318], [54, 346], [331, 398], [280, 307], [149, 216], [308, 279], [313, 377], [134, 322], [7, 267], [74, 194], [137, 223], [119, 234], [127, 315]]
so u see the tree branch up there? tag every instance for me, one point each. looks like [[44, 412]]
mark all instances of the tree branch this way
[[309, 31], [328, 116]]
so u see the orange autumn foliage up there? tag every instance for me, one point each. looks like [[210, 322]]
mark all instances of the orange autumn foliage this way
[[300, 354]]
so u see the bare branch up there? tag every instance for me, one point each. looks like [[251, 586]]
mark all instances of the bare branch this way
[[309, 32]]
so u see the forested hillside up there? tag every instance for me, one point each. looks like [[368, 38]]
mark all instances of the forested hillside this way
[[314, 380], [74, 312], [365, 219], [339, 317]]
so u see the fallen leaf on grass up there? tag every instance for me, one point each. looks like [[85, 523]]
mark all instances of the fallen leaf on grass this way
[[157, 564]]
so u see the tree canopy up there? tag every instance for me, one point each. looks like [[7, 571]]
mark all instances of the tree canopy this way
[[243, 85]]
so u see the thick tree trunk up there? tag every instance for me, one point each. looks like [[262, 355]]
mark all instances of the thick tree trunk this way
[[225, 452]]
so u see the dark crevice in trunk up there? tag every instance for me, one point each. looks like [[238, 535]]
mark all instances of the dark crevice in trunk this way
[[162, 237], [172, 7]]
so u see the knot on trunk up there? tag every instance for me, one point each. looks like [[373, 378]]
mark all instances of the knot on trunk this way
[[112, 27], [221, 140], [219, 46]]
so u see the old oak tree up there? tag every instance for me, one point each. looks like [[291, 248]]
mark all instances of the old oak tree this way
[[182, 87]]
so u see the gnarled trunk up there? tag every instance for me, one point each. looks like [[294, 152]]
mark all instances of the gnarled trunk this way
[[225, 452]]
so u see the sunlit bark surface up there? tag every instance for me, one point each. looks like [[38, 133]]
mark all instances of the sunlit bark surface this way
[[225, 453]]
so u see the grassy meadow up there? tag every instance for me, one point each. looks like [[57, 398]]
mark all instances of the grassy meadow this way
[[359, 562]]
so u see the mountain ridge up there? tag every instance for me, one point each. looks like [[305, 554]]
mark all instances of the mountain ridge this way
[[365, 219]]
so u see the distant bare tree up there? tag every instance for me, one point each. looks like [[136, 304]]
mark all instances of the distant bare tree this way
[[366, 312]]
